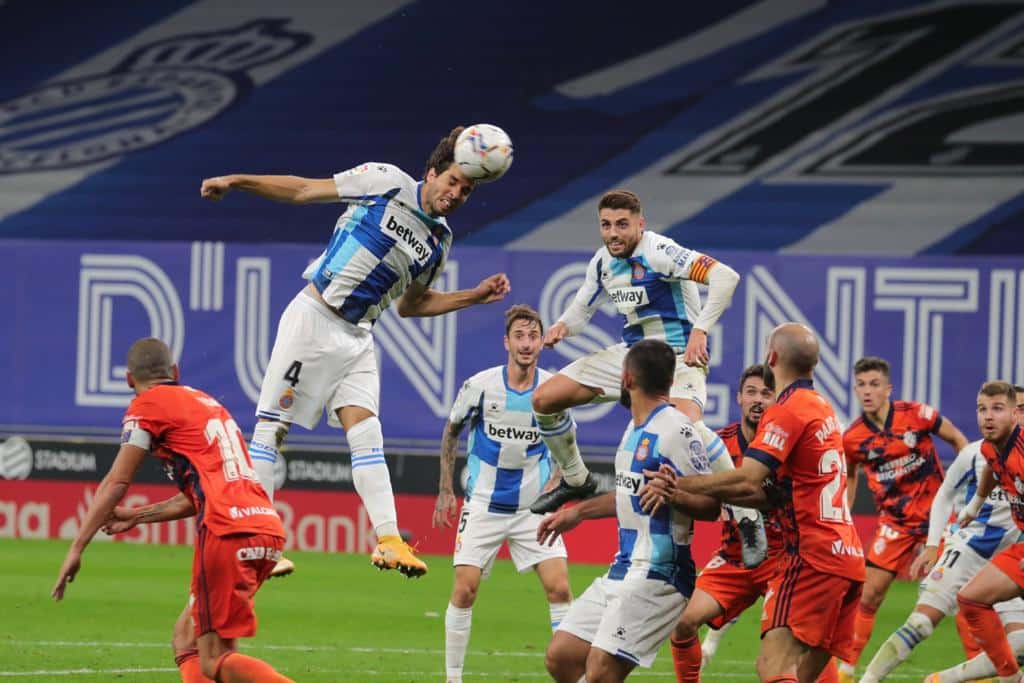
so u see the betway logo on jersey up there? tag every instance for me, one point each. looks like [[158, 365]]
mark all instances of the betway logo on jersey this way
[[505, 433], [628, 298], [407, 239], [630, 482]]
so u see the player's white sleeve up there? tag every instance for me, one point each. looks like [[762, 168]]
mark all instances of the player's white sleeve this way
[[587, 299], [686, 452], [358, 183], [942, 505], [681, 263], [467, 403]]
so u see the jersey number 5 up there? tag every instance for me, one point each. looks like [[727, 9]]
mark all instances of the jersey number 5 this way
[[833, 506], [232, 452]]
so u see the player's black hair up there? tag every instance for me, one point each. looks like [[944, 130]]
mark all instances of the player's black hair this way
[[150, 359], [652, 363], [869, 363], [620, 199], [522, 312], [444, 154], [758, 371]]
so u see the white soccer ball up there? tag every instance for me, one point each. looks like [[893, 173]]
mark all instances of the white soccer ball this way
[[483, 152]]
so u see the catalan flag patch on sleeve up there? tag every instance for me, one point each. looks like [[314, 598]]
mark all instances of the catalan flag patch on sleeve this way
[[700, 268]]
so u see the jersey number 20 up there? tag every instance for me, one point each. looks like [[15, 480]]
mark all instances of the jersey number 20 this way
[[232, 452]]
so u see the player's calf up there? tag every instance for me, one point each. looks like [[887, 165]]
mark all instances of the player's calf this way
[[566, 657]]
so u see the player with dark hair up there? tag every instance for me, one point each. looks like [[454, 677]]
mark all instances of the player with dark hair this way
[[892, 442], [239, 535], [391, 244]]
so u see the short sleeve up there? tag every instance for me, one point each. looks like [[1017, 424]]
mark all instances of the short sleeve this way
[[927, 418], [143, 422], [363, 181], [467, 403], [680, 263], [686, 451], [777, 435]]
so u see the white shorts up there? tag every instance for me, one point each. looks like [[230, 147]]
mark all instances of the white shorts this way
[[1010, 611], [481, 533], [957, 565], [603, 370], [630, 619], [319, 362]]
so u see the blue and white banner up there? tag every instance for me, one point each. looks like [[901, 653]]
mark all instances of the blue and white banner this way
[[73, 308]]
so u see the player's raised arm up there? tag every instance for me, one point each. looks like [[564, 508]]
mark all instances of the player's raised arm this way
[[422, 301], [280, 188], [581, 310], [110, 491]]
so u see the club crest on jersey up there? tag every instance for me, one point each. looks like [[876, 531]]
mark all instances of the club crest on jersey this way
[[910, 439], [642, 449], [287, 399], [937, 574], [639, 271], [168, 87]]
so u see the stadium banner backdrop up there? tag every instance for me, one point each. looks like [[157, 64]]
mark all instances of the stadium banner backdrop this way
[[945, 323], [48, 486]]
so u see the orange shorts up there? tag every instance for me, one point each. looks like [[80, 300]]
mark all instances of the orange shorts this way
[[734, 587], [818, 608], [894, 549], [226, 572], [1008, 562]]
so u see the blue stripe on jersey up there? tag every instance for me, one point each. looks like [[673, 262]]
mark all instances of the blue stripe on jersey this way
[[484, 448], [627, 539], [518, 402], [619, 266], [600, 285], [340, 251], [367, 231], [987, 542], [368, 293], [536, 449], [473, 465], [545, 470], [505, 498]]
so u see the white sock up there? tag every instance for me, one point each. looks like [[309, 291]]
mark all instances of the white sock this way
[[457, 623], [981, 666], [558, 611], [895, 650], [559, 434], [846, 667], [712, 638], [264, 450], [371, 477]]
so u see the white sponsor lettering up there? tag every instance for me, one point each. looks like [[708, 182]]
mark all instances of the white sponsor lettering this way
[[840, 548], [238, 512], [65, 461], [830, 427], [258, 553]]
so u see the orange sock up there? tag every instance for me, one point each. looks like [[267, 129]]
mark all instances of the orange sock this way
[[830, 674], [971, 647], [188, 664], [863, 624], [234, 667], [686, 658], [987, 629]]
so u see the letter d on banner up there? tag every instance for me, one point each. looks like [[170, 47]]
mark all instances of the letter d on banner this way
[[103, 279]]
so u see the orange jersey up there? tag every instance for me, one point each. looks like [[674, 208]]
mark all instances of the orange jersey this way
[[799, 438], [902, 467], [205, 454], [732, 549], [1008, 467]]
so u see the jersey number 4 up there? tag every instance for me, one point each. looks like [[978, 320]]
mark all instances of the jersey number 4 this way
[[833, 507], [232, 452]]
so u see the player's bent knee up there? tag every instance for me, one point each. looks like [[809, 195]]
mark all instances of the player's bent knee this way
[[463, 595], [685, 629], [560, 593]]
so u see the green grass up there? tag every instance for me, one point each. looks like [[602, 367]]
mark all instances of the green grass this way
[[335, 619]]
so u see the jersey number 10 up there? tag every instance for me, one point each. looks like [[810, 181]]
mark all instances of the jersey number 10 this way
[[232, 452]]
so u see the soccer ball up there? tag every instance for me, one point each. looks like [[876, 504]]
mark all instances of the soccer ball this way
[[483, 152]]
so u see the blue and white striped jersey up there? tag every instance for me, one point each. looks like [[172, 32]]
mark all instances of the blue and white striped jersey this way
[[382, 242], [656, 547], [655, 289], [507, 460], [986, 533]]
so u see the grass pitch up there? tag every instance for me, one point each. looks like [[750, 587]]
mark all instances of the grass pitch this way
[[335, 619]]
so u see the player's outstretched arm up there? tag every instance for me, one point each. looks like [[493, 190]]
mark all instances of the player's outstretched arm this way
[[568, 518], [123, 519], [742, 486], [444, 508], [662, 489], [280, 188], [949, 433], [110, 491], [421, 301]]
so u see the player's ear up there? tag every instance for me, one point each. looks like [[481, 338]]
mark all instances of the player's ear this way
[[505, 338], [174, 372], [130, 379]]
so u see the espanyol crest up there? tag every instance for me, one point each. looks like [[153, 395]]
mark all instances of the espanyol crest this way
[[155, 93], [910, 439]]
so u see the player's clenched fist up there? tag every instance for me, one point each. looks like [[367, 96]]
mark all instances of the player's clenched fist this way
[[215, 188], [555, 334], [493, 288]]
